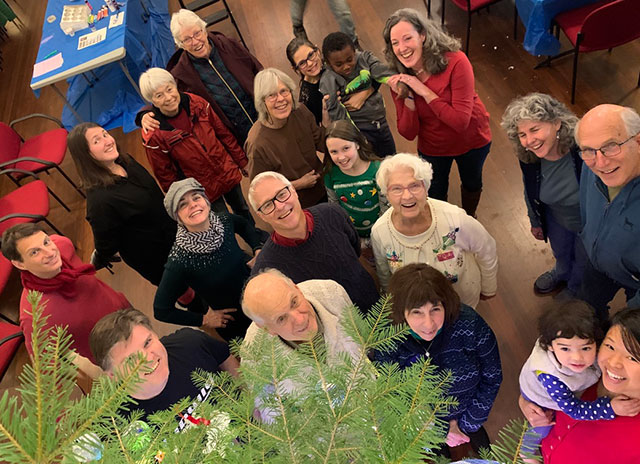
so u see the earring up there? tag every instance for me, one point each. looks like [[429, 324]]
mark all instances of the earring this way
[[558, 135]]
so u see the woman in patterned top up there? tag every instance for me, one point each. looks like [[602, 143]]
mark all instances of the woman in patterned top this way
[[207, 258], [455, 338], [418, 229]]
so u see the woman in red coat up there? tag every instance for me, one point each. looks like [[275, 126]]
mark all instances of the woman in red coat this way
[[192, 142]]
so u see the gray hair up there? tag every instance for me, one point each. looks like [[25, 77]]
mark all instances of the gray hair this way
[[152, 79], [181, 19], [538, 107], [250, 312], [422, 169], [437, 42], [630, 120], [251, 195], [266, 83]]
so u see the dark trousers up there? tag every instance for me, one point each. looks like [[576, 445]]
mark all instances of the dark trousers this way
[[469, 166], [569, 252], [598, 290], [236, 200], [380, 138]]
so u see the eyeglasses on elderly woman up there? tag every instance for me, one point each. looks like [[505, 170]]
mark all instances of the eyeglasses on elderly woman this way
[[284, 93]]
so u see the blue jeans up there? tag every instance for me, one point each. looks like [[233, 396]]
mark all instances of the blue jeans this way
[[339, 8], [569, 252], [469, 166]]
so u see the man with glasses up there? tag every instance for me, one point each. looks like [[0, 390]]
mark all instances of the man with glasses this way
[[315, 243], [214, 67], [609, 141]]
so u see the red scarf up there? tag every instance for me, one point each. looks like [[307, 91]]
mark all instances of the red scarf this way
[[64, 283]]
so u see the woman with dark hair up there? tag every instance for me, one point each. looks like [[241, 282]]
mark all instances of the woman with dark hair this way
[[306, 60], [602, 442], [443, 109], [456, 338], [124, 204], [541, 131]]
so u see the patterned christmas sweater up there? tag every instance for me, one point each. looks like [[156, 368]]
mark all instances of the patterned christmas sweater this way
[[456, 244], [359, 196], [468, 348]]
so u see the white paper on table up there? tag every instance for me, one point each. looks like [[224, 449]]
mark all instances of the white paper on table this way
[[116, 19], [47, 65], [92, 38]]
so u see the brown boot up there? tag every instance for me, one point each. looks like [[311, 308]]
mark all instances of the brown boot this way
[[470, 200]]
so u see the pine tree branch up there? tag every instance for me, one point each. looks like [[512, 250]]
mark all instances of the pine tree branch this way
[[377, 431], [320, 368], [16, 444], [122, 447]]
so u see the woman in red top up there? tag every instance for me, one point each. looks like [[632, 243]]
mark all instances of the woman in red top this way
[[443, 108], [602, 441]]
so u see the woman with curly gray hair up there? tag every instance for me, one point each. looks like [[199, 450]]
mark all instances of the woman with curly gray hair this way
[[443, 109], [541, 130]]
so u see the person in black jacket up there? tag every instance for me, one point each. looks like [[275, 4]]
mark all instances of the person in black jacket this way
[[124, 204], [541, 130]]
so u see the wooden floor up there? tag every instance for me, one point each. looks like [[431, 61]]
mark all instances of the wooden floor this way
[[503, 70]]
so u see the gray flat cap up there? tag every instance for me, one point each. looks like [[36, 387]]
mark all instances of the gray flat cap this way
[[177, 191]]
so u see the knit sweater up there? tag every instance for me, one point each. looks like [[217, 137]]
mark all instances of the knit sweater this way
[[93, 300], [456, 244], [468, 348], [331, 252], [290, 150], [217, 277]]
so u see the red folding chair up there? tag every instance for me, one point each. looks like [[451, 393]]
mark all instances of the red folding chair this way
[[599, 26], [40, 153]]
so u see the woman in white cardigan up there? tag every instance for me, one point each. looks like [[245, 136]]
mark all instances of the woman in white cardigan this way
[[418, 229]]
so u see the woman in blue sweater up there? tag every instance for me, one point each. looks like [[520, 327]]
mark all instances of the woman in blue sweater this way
[[207, 258], [456, 338]]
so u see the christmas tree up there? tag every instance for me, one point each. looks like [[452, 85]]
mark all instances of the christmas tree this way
[[289, 408]]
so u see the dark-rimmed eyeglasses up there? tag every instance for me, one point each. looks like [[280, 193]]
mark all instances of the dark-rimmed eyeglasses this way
[[608, 150], [269, 206], [313, 54]]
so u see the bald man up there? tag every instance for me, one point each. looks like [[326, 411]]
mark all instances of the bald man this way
[[296, 313], [609, 141]]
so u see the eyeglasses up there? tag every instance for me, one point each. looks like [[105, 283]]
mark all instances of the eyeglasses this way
[[313, 54], [196, 36], [269, 206], [284, 93], [397, 190], [609, 150]]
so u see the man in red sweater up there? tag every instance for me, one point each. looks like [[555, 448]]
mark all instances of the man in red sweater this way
[[73, 296]]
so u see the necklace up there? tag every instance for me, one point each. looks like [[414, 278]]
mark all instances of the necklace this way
[[419, 245]]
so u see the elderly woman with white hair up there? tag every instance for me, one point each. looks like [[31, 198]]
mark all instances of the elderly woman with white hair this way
[[214, 67], [191, 141], [419, 229], [286, 138], [206, 257]]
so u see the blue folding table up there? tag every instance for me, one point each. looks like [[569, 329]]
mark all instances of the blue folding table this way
[[103, 77]]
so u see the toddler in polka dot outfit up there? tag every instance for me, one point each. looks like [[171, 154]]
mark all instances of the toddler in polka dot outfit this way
[[562, 365]]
